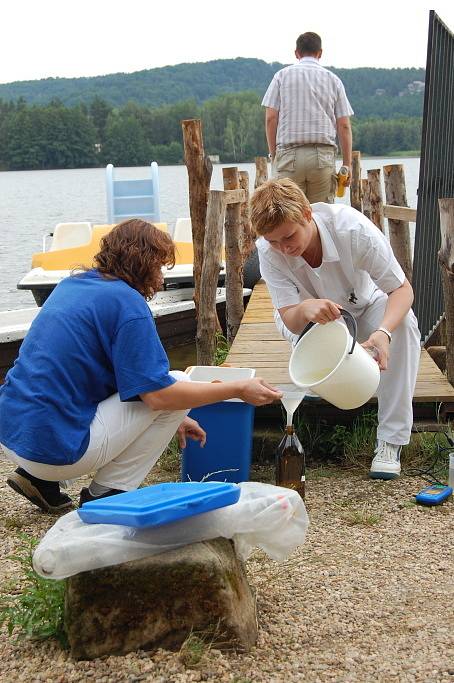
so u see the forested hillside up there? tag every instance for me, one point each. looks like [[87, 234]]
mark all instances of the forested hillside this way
[[204, 80], [130, 119]]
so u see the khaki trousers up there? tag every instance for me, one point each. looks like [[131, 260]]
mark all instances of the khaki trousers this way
[[312, 167]]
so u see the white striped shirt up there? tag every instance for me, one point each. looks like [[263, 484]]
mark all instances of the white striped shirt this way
[[309, 99]]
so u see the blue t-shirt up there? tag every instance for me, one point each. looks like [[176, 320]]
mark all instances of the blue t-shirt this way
[[93, 337]]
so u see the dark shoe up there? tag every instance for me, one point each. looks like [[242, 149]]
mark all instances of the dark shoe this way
[[45, 494], [87, 497]]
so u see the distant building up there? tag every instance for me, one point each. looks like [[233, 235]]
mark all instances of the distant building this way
[[214, 158], [416, 86], [413, 88], [380, 92]]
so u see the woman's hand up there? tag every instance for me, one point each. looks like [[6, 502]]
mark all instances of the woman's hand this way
[[190, 429], [379, 341], [320, 310], [257, 392]]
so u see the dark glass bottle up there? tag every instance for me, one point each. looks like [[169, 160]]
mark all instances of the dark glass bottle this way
[[291, 463]]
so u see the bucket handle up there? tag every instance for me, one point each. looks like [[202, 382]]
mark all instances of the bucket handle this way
[[349, 321]]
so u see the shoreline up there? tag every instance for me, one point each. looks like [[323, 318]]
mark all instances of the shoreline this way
[[405, 154]]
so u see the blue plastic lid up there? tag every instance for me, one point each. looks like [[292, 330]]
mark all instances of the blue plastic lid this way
[[160, 504]]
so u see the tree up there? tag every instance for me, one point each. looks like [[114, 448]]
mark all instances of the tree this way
[[125, 143], [99, 111]]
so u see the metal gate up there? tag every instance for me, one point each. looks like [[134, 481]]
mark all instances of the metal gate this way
[[436, 173]]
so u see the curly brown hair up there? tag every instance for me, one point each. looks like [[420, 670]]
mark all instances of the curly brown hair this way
[[135, 251]]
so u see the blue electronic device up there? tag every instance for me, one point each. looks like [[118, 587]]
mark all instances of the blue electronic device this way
[[160, 504], [433, 495]]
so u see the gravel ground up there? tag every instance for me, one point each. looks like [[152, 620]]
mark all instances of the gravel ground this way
[[369, 597]]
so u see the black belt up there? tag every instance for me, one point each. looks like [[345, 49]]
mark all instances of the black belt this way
[[292, 145]]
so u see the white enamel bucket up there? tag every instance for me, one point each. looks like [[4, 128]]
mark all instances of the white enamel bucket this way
[[328, 360]]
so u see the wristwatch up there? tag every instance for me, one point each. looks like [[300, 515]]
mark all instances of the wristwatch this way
[[387, 332]]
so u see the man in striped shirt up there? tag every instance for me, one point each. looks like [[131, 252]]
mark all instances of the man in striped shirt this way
[[306, 106]]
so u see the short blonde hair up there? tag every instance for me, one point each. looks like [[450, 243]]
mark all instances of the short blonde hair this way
[[276, 202]]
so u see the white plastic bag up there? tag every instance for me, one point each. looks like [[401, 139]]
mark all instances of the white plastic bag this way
[[269, 517]]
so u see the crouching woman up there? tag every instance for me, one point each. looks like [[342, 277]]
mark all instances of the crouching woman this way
[[91, 390]]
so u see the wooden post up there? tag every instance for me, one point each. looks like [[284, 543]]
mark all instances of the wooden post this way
[[438, 355], [247, 238], [446, 260], [207, 317], [365, 192], [261, 171], [233, 258], [199, 174], [376, 198], [355, 185], [399, 231]]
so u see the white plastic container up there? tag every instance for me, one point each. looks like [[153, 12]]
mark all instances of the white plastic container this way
[[219, 373], [328, 360]]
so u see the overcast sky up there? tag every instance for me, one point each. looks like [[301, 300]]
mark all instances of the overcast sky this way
[[42, 38]]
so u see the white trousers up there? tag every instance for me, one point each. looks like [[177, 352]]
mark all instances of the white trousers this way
[[397, 383], [126, 440]]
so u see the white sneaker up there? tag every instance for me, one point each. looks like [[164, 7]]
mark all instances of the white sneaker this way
[[386, 463]]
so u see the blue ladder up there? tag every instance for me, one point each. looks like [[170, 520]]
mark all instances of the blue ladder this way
[[133, 198]]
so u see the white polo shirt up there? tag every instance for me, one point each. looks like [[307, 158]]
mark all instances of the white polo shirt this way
[[358, 263], [309, 99]]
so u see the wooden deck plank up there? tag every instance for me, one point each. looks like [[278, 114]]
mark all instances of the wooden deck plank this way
[[259, 345]]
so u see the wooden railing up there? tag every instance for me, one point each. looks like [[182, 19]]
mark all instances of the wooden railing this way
[[215, 213], [366, 195]]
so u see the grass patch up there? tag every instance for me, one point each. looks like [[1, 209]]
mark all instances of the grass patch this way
[[171, 458], [37, 611], [11, 522], [408, 504], [351, 444], [195, 649], [324, 472], [358, 442], [192, 651], [315, 437], [427, 452], [360, 517], [222, 349]]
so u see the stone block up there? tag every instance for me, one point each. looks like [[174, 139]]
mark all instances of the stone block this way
[[158, 601]]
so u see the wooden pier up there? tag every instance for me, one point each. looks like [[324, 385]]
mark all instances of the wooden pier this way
[[259, 345], [256, 342]]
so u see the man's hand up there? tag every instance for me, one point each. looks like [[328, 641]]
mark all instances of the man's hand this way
[[349, 177], [191, 429], [379, 340], [257, 392], [320, 310]]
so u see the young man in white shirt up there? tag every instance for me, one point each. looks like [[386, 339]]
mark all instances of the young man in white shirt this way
[[321, 258]]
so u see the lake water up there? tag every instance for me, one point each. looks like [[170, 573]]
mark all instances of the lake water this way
[[33, 202]]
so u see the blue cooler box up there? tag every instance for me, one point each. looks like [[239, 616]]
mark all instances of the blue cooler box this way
[[229, 426]]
